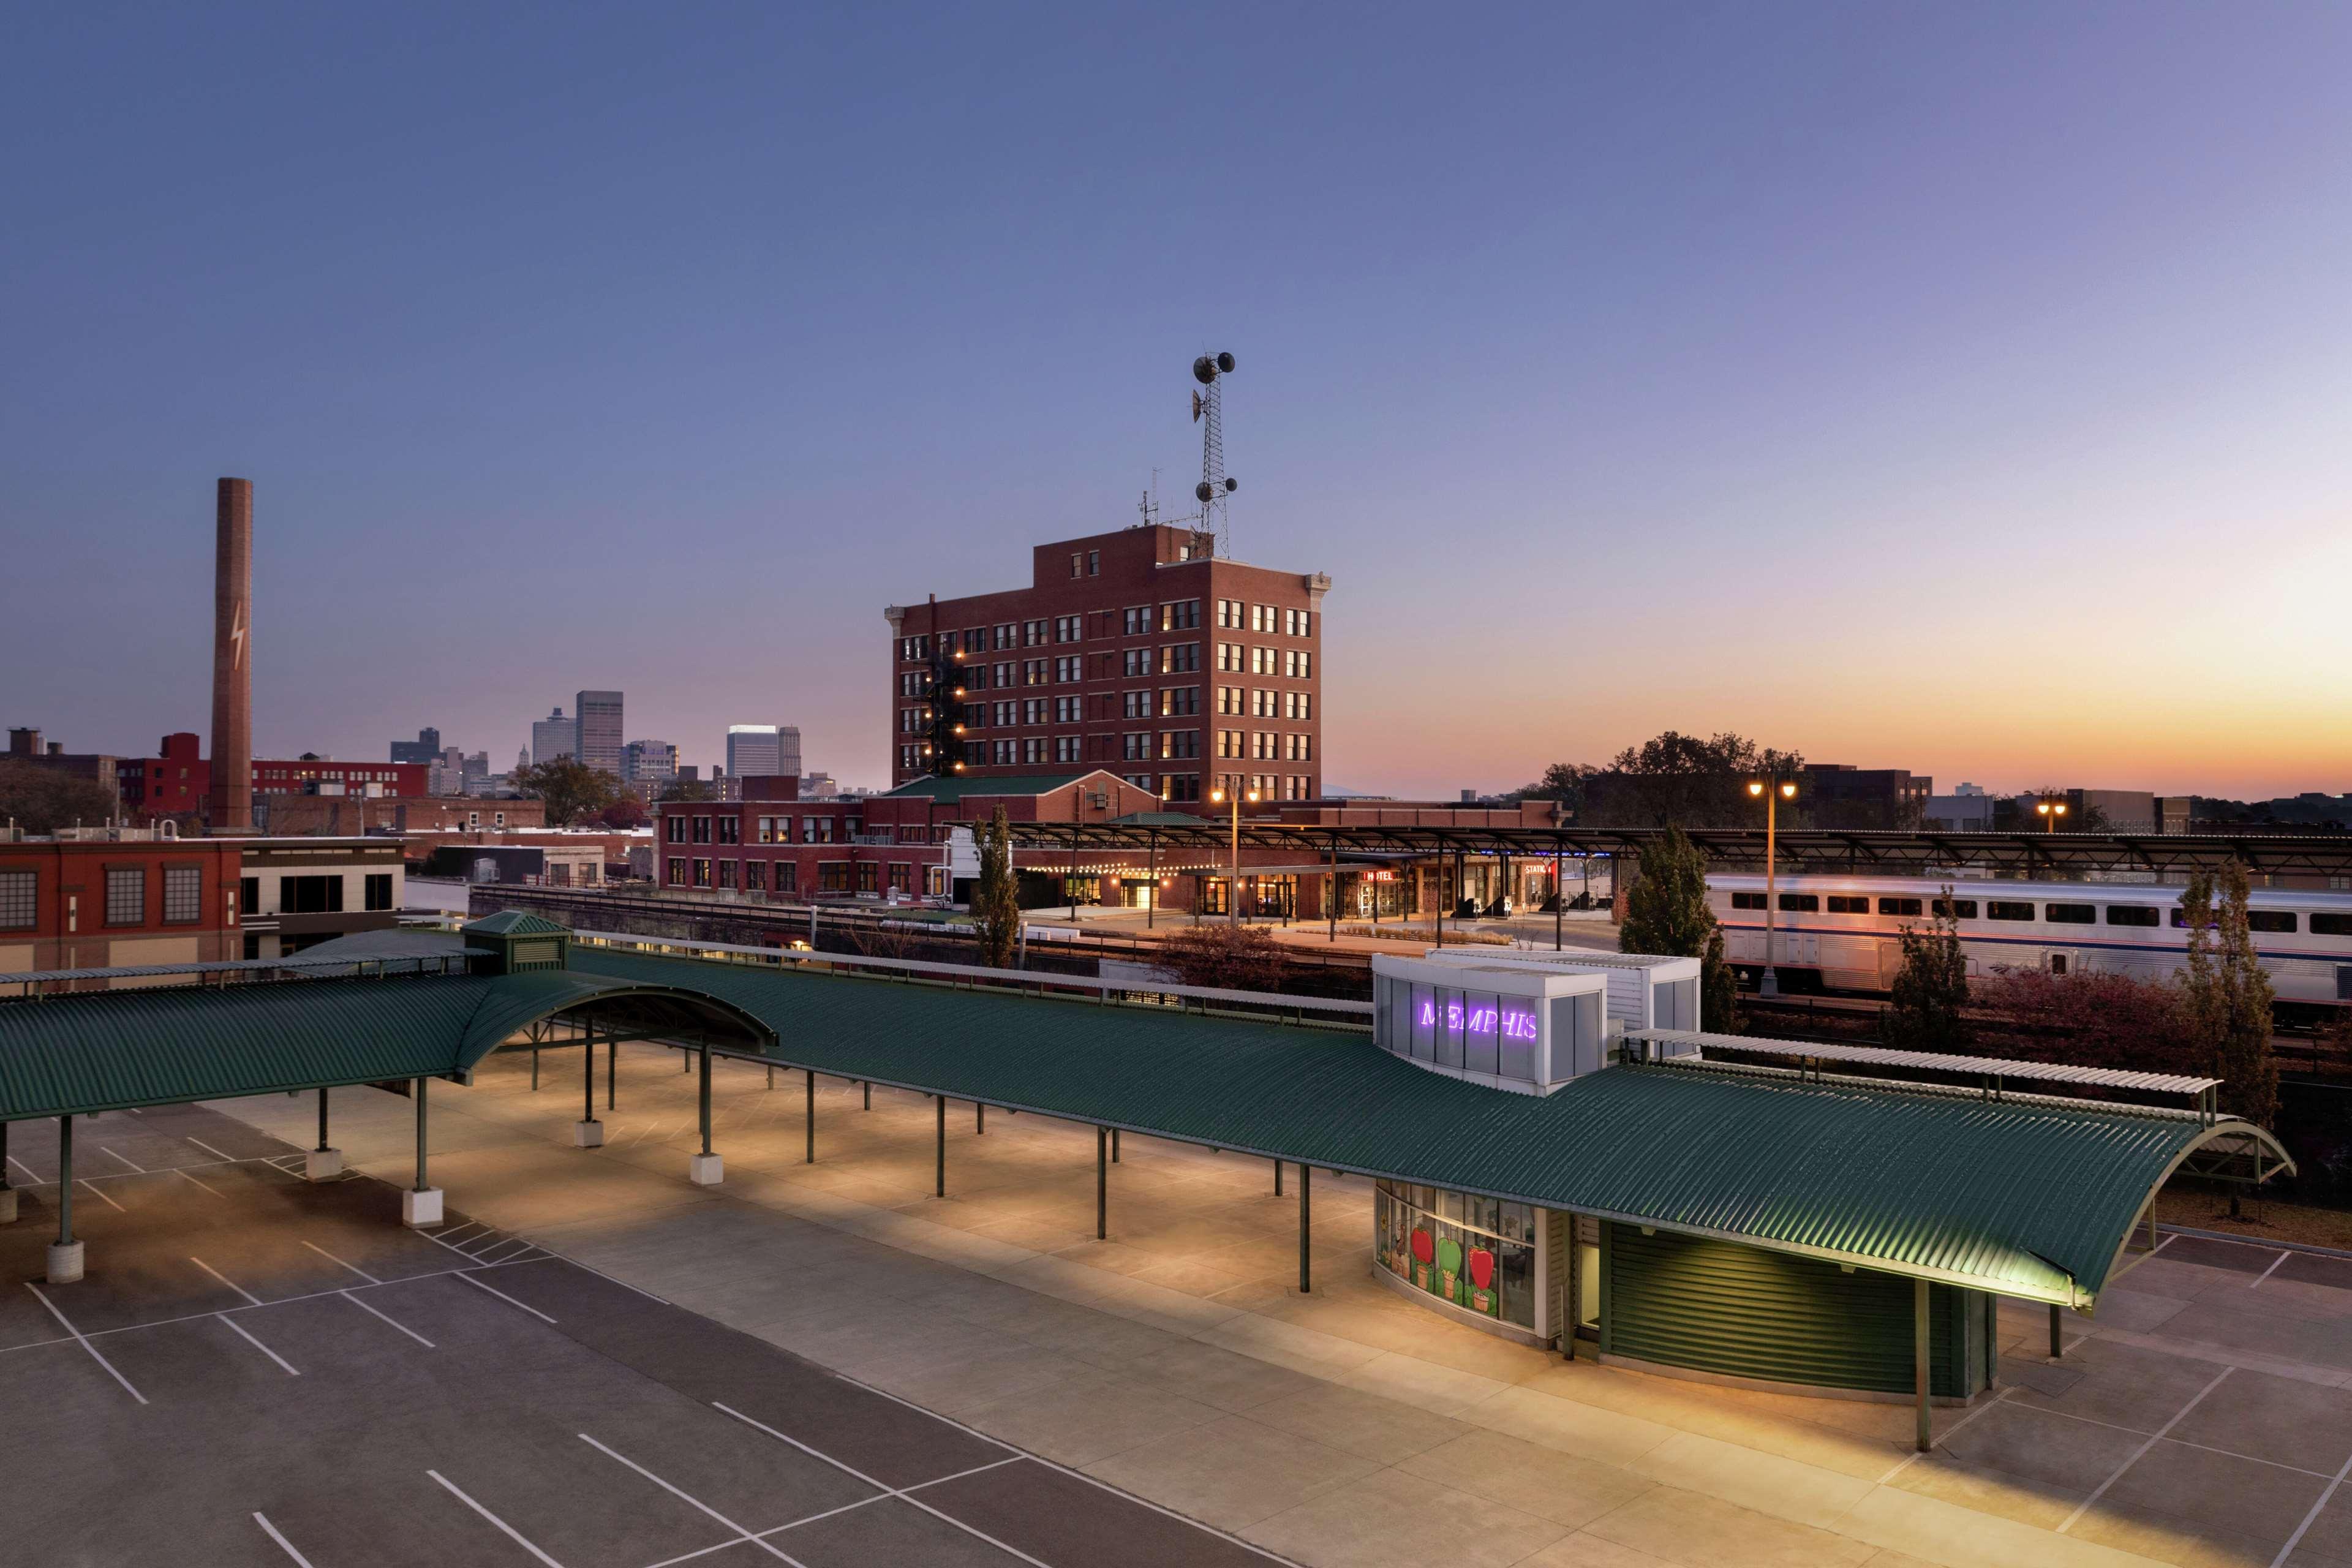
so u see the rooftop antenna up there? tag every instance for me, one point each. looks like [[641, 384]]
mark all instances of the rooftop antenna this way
[[1208, 412], [1150, 505]]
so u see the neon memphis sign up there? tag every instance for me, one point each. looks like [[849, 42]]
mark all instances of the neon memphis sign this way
[[1515, 1023]]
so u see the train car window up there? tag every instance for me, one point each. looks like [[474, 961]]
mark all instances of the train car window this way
[[2270, 920], [2131, 914], [1901, 906], [1956, 909], [1801, 903], [2331, 925], [2003, 909], [1842, 905], [1746, 900], [2071, 914]]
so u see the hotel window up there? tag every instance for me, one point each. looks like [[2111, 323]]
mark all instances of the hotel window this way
[[1004, 676], [1065, 711], [1067, 628], [184, 894], [1135, 746], [19, 899], [902, 877], [909, 761], [1139, 621], [730, 830], [1077, 562], [1261, 662], [755, 876], [1298, 787], [676, 878], [1066, 748], [727, 875], [1033, 633], [1299, 748], [788, 877], [1033, 710], [1260, 617], [1298, 623], [833, 876], [1180, 786], [1182, 616], [1230, 699], [976, 677], [677, 830], [1229, 742], [1136, 661], [1007, 715], [1007, 752], [1033, 672], [702, 873], [1264, 784], [1180, 659], [1033, 749], [1068, 668], [376, 895], [1180, 743], [1298, 705], [869, 877], [1261, 744], [1180, 702], [1004, 636], [1135, 705], [1299, 664], [1094, 562], [702, 830], [914, 650], [1229, 657]]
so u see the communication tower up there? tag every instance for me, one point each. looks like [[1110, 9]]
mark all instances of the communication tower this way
[[1208, 412]]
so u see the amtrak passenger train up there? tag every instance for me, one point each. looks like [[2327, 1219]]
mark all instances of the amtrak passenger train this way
[[1840, 932]]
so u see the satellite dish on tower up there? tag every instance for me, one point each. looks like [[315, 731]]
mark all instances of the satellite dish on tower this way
[[1208, 412]]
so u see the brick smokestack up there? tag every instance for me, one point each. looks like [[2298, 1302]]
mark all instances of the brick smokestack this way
[[230, 805]]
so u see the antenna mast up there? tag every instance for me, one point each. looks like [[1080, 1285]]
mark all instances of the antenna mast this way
[[1208, 412]]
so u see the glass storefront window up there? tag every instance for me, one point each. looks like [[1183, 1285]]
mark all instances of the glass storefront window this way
[[1476, 1253]]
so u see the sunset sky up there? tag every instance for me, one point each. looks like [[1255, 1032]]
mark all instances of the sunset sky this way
[[1963, 389]]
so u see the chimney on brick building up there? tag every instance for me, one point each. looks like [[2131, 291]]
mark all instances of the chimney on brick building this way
[[230, 803]]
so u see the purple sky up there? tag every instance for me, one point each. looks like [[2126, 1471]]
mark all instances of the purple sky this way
[[1962, 389]]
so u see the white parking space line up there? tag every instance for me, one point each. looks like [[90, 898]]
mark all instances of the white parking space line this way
[[502, 1296], [103, 1149], [99, 1194], [486, 1253], [903, 1495], [1909, 1459], [508, 1531], [2084, 1505], [404, 1328], [352, 1267], [243, 1333], [28, 1170], [193, 1182], [2267, 1273], [79, 1335], [225, 1280], [224, 1158], [2296, 1538], [692, 1501], [283, 1545]]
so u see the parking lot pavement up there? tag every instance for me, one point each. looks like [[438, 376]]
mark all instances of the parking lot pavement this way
[[258, 1370]]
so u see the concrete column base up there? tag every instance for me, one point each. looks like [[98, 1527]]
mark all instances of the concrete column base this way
[[420, 1208], [587, 1135], [65, 1263], [706, 1170], [7, 1205], [322, 1164]]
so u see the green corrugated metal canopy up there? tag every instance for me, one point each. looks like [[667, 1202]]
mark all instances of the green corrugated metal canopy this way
[[2022, 1198], [112, 1050]]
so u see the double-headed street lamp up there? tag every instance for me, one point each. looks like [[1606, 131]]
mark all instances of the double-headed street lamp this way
[[1234, 887], [1773, 791], [2049, 810]]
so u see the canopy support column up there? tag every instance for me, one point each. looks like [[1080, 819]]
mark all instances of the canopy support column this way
[[612, 1069], [1305, 1173], [980, 1116], [420, 1207], [64, 1260], [706, 1169], [325, 1163], [1102, 1184], [940, 1183], [1926, 1438], [809, 1158], [1114, 1145], [8, 1193], [869, 1095], [1277, 1178], [588, 1132], [2057, 1336]]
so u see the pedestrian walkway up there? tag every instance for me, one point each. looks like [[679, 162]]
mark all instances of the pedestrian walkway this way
[[1177, 1361]]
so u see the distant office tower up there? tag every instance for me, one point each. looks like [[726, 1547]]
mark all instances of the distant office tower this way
[[552, 737], [231, 796], [773, 749], [598, 714], [424, 749], [819, 787], [648, 762]]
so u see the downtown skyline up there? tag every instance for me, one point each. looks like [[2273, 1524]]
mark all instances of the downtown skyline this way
[[1960, 393]]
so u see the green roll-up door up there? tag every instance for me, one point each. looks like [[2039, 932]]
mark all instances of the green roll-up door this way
[[1717, 1306]]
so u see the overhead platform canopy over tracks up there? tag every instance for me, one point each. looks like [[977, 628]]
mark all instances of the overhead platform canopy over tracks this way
[[2028, 1198]]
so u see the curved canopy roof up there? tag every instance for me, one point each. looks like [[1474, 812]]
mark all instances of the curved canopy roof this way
[[2024, 1198], [111, 1050]]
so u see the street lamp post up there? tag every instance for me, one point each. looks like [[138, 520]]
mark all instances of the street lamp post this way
[[2050, 810], [1773, 793], [1233, 886]]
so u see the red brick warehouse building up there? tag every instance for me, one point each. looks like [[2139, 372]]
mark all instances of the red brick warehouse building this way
[[1141, 652]]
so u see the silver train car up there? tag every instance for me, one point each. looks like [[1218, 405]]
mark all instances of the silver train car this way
[[1839, 933]]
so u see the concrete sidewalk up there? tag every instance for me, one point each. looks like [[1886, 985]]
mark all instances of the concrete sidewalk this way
[[1178, 1361]]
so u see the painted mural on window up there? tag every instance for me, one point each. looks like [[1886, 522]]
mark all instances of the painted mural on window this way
[[1478, 1254]]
